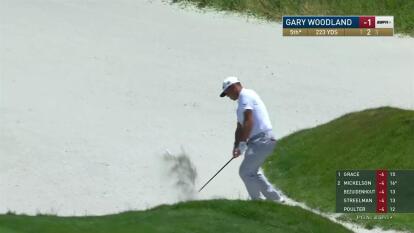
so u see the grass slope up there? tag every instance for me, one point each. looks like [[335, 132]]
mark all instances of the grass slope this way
[[304, 163], [402, 10], [197, 216]]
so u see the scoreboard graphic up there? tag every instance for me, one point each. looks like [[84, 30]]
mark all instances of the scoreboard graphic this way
[[375, 191], [338, 25]]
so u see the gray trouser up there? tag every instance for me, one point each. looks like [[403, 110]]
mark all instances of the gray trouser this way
[[259, 148]]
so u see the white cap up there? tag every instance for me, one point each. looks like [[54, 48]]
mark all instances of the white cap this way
[[227, 82]]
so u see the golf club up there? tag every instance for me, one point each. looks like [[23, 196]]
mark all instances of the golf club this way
[[215, 174]]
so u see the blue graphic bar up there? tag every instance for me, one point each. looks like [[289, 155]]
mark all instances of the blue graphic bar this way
[[320, 21]]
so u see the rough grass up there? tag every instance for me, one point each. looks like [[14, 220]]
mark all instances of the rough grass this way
[[402, 10], [197, 216], [304, 163]]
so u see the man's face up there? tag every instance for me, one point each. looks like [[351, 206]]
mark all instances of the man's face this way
[[231, 92]]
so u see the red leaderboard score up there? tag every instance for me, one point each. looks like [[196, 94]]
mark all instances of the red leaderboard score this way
[[381, 191], [367, 22]]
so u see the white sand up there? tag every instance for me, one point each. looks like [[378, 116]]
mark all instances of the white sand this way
[[93, 92]]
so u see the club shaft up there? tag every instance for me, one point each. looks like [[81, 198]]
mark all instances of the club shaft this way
[[215, 175]]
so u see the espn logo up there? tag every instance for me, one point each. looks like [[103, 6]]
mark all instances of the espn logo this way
[[384, 21]]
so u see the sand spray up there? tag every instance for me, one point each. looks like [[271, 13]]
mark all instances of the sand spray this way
[[181, 174]]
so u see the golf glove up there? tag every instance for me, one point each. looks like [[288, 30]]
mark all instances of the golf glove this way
[[242, 147]]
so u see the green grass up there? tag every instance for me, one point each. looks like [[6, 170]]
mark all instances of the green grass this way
[[304, 163], [197, 216], [402, 10], [303, 166]]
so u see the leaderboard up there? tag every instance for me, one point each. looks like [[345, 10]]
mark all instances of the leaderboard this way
[[338, 25], [375, 191]]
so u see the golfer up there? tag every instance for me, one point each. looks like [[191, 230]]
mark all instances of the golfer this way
[[253, 139]]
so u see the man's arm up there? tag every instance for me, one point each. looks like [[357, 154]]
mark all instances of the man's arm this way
[[242, 133], [237, 135], [247, 125]]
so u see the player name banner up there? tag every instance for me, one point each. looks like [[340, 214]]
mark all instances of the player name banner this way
[[338, 25], [375, 191]]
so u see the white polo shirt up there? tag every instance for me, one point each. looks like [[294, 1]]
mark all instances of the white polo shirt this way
[[248, 99]]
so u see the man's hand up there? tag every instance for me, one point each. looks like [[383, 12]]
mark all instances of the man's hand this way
[[240, 150], [236, 152]]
